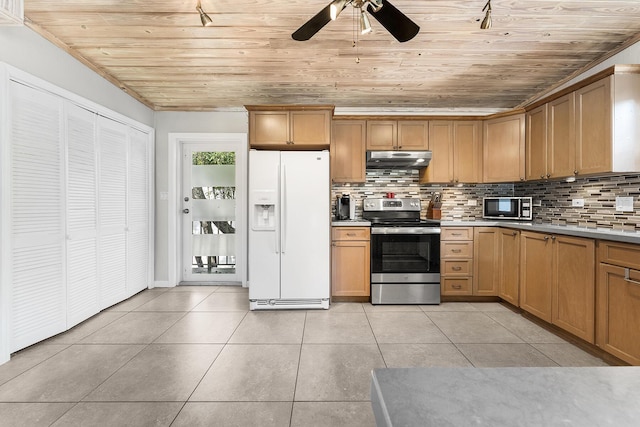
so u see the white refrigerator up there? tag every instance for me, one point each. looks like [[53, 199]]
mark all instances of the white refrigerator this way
[[289, 229]]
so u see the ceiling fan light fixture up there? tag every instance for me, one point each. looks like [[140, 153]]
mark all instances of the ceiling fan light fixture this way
[[204, 18], [486, 22], [376, 5], [336, 7], [365, 25]]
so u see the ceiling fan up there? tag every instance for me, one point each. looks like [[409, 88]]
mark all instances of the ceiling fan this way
[[396, 22]]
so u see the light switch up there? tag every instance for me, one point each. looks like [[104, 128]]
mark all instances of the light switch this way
[[624, 204]]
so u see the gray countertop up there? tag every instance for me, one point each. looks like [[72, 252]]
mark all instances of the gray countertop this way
[[351, 223], [535, 397], [568, 230]]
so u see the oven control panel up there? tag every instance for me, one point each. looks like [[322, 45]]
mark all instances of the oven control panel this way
[[407, 204]]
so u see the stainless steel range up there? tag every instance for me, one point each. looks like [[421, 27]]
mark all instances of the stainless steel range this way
[[405, 253]]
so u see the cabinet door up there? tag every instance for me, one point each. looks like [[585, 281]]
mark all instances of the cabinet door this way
[[509, 265], [467, 152], [440, 168], [593, 127], [268, 127], [536, 143], [82, 214], [561, 140], [350, 268], [619, 313], [35, 186], [574, 286], [413, 135], [348, 151], [382, 134], [503, 149], [536, 274], [311, 128], [485, 261]]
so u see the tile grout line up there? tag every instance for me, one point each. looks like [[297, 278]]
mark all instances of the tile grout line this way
[[295, 383]]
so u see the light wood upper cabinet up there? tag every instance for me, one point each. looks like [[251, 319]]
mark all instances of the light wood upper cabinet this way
[[504, 149], [290, 128], [350, 262], [593, 128], [456, 152], [536, 143], [348, 151], [550, 141], [407, 135]]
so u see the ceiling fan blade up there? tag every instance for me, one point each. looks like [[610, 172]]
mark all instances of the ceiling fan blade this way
[[396, 22], [313, 25]]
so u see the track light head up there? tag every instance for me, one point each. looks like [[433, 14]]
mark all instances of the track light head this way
[[486, 22], [204, 18]]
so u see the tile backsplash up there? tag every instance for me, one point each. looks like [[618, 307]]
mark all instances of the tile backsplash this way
[[552, 199]]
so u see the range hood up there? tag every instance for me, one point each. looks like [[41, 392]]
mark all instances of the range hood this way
[[398, 159]]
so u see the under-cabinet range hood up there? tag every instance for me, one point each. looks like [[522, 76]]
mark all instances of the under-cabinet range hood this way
[[398, 159]]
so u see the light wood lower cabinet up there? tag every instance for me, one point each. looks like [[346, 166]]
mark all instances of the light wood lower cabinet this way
[[456, 254], [618, 301], [557, 281], [509, 265], [485, 261], [350, 265]]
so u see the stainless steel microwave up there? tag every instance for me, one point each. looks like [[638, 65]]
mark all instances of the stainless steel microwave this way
[[513, 208]]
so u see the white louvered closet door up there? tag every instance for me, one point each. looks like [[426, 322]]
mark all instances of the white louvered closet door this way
[[112, 211], [82, 210], [138, 212], [38, 306]]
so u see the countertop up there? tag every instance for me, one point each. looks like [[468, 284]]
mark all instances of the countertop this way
[[599, 396], [351, 223], [567, 230]]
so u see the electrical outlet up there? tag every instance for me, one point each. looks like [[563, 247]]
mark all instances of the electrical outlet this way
[[624, 204], [578, 203]]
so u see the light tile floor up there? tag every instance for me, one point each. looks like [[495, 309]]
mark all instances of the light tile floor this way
[[195, 356]]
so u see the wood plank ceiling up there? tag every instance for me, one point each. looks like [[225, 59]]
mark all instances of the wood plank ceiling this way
[[158, 51]]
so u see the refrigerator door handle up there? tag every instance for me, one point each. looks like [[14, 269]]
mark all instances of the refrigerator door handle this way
[[283, 206], [276, 236]]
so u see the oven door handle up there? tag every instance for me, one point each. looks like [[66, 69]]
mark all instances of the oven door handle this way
[[405, 230]]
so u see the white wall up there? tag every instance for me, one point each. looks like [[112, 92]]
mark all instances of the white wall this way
[[183, 122], [27, 50]]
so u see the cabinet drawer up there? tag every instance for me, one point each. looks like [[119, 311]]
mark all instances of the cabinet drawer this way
[[457, 233], [457, 268], [350, 233], [624, 255], [456, 286], [456, 250]]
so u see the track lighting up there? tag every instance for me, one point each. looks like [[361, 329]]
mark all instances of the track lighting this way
[[486, 22], [365, 25], [336, 7], [206, 20]]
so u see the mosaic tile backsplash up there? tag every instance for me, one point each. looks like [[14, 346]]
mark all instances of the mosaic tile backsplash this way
[[552, 199]]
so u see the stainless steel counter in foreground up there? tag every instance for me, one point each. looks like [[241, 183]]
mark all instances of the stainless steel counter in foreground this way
[[509, 397]]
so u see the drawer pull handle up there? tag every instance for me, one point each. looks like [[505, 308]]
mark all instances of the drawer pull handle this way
[[456, 251], [456, 286], [456, 268], [456, 234], [351, 234], [628, 278]]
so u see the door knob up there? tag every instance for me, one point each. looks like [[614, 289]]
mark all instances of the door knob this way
[[186, 199], [185, 211]]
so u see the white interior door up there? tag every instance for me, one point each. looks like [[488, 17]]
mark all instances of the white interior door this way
[[213, 225]]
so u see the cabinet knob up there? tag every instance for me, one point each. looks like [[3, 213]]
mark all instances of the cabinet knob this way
[[541, 176], [575, 172], [553, 237], [546, 238], [548, 175], [521, 178], [514, 234]]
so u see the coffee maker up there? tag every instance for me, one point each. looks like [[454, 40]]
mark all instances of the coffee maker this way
[[343, 207]]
